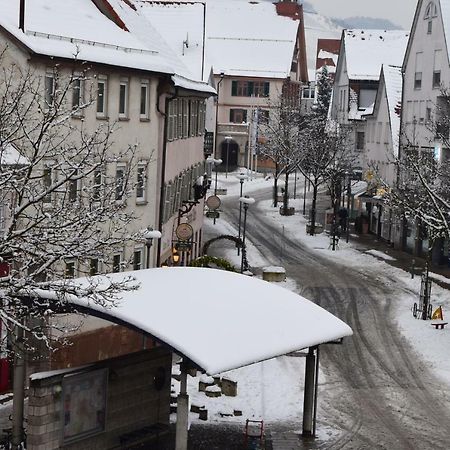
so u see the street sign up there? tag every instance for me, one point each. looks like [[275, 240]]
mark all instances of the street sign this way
[[213, 202], [184, 231], [212, 214]]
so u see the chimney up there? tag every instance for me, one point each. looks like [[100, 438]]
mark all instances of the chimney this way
[[288, 8], [22, 15]]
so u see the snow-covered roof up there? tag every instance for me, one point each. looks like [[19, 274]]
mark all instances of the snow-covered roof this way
[[394, 84], [367, 50], [249, 39], [10, 156], [220, 320], [317, 27], [445, 12], [181, 25], [76, 29]]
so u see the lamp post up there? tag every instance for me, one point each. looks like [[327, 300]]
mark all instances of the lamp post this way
[[241, 177], [227, 139], [217, 112], [149, 234], [349, 189], [246, 201]]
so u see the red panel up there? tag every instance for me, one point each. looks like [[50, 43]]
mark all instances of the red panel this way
[[4, 269], [4, 375]]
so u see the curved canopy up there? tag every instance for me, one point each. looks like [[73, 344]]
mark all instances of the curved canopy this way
[[219, 320]]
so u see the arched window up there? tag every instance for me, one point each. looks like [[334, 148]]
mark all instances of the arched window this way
[[430, 11]]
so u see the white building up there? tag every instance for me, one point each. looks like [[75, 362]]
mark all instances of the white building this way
[[362, 53]]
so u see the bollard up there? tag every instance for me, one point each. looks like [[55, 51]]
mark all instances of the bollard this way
[[412, 267]]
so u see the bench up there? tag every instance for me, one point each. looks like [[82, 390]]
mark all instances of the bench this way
[[135, 438], [439, 325]]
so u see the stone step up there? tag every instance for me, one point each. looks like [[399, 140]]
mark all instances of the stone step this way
[[285, 441]]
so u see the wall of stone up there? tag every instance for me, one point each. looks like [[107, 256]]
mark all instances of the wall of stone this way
[[132, 402]]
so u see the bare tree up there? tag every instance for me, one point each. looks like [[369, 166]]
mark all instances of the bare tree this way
[[61, 198], [280, 138]]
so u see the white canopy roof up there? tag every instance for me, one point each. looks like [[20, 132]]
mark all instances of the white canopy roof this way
[[219, 320]]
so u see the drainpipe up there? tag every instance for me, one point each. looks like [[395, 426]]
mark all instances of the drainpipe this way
[[204, 37], [163, 169], [22, 15]]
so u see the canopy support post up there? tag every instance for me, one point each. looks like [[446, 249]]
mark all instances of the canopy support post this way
[[181, 439], [310, 394]]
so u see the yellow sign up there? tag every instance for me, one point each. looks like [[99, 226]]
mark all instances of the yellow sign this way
[[438, 314]]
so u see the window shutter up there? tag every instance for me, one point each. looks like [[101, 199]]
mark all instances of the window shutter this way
[[234, 88]]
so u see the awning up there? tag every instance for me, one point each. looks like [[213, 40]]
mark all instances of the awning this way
[[219, 320]]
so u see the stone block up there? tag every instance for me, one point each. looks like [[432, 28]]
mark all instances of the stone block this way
[[203, 414], [274, 274], [213, 391], [229, 387]]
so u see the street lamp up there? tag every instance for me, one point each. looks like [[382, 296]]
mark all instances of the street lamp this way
[[149, 234], [227, 139], [349, 192], [217, 112], [215, 162], [246, 201], [241, 177]]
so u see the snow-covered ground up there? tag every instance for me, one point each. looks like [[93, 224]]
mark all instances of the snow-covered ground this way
[[273, 390]]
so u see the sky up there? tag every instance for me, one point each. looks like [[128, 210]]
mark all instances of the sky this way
[[400, 12]]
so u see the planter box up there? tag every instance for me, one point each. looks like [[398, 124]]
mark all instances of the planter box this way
[[276, 274], [287, 212], [318, 228]]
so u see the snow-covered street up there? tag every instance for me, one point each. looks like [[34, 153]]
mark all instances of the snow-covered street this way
[[386, 387]]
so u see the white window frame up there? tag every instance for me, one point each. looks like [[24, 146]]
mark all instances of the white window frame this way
[[144, 100], [78, 85], [102, 80], [120, 255], [70, 262], [141, 182], [124, 88], [140, 251], [91, 261], [49, 90], [120, 182], [97, 182]]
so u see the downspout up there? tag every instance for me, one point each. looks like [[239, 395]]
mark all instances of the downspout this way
[[22, 15], [204, 37], [168, 99]]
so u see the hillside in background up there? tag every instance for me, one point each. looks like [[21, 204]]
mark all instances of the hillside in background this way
[[366, 22]]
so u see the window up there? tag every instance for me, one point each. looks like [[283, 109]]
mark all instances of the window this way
[[360, 139], [123, 98], [93, 266], [437, 69], [238, 115], [263, 116], [308, 92], [70, 269], [141, 181], [120, 181], [185, 112], [418, 80], [137, 259], [145, 100], [77, 94], [179, 130], [73, 188], [430, 27], [49, 90], [173, 120], [430, 11], [201, 117], [418, 71], [117, 263], [428, 114], [97, 186], [366, 98], [194, 118], [102, 92], [244, 88], [47, 178]]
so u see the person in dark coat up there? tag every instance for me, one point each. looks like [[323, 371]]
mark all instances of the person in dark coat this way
[[343, 214]]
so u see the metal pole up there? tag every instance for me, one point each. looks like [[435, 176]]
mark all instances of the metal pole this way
[[295, 184], [18, 388], [308, 399], [304, 198], [215, 191], [149, 246], [243, 236], [181, 438], [349, 187], [316, 387], [226, 163], [240, 216]]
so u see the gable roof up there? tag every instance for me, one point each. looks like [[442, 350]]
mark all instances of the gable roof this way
[[367, 50], [249, 39], [76, 29], [393, 81]]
